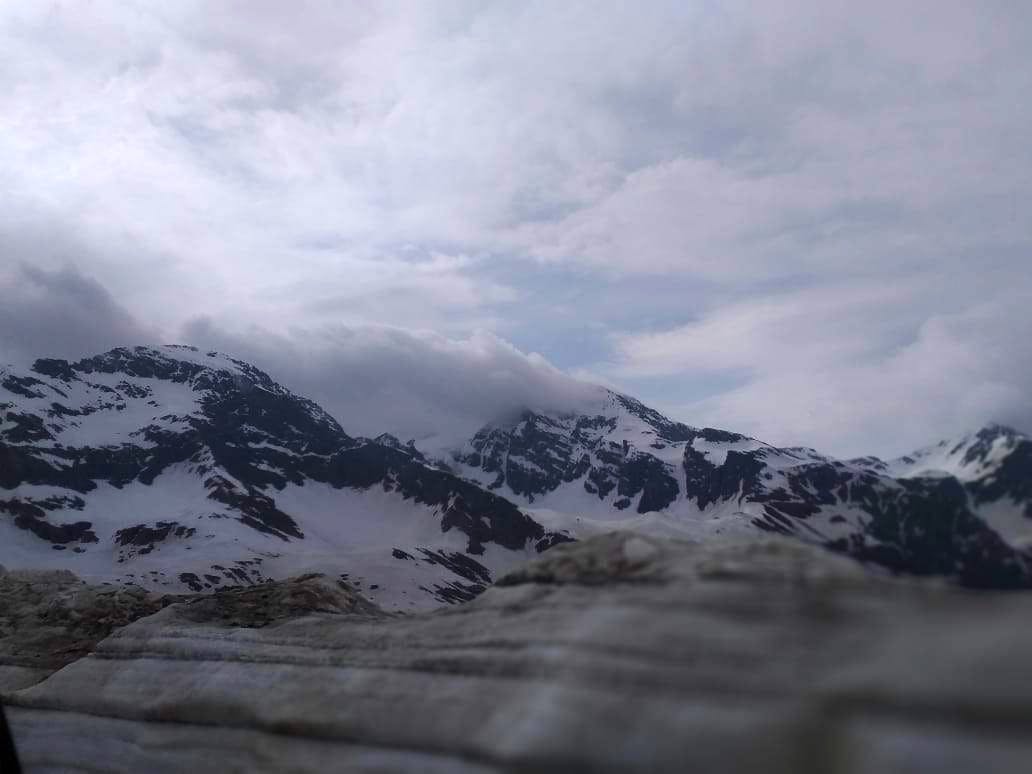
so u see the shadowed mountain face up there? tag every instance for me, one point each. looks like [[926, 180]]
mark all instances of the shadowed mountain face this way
[[176, 469]]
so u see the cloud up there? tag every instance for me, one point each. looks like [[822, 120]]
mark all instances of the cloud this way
[[61, 313], [838, 370], [818, 327], [630, 191], [687, 139], [413, 384]]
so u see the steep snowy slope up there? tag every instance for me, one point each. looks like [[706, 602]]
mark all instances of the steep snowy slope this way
[[961, 509], [174, 468]]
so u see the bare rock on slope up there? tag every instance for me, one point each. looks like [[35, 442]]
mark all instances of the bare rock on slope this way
[[622, 653], [257, 606], [50, 618]]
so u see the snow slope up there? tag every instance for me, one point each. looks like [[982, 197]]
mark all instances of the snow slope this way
[[176, 469]]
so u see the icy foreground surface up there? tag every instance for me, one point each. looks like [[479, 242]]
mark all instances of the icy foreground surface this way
[[620, 653]]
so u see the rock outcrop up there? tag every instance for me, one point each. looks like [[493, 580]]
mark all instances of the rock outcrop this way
[[620, 653], [50, 618]]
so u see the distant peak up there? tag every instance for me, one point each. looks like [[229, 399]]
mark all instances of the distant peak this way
[[996, 430], [386, 439]]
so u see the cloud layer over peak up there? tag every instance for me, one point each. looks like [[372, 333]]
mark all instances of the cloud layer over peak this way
[[414, 384]]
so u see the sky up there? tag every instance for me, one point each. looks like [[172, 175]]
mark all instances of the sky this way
[[804, 221]]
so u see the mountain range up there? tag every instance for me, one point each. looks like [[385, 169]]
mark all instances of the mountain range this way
[[173, 468]]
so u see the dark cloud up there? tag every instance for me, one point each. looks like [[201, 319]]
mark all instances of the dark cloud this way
[[62, 313]]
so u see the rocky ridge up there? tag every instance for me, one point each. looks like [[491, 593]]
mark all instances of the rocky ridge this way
[[960, 509]]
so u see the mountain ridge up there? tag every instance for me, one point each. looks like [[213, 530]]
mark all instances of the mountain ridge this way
[[905, 514], [231, 478], [203, 439]]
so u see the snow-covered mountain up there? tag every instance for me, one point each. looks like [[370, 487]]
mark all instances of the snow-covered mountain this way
[[178, 469], [961, 509]]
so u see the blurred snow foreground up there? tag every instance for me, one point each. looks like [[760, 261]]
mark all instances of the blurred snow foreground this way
[[620, 653]]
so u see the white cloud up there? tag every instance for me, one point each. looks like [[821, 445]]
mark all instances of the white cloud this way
[[818, 327], [838, 372], [413, 384]]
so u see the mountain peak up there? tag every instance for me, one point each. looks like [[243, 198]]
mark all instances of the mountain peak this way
[[164, 361], [173, 467], [994, 430]]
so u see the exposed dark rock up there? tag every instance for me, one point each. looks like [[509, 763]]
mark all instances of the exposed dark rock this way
[[925, 528], [257, 606], [540, 453], [192, 581], [144, 534], [31, 517], [50, 618], [257, 510], [460, 564], [57, 369], [482, 516], [25, 386], [643, 473], [456, 592]]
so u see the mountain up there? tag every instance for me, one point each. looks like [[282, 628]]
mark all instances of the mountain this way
[[176, 469], [184, 470], [960, 509]]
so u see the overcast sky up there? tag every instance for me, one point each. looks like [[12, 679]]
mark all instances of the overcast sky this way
[[805, 221]]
